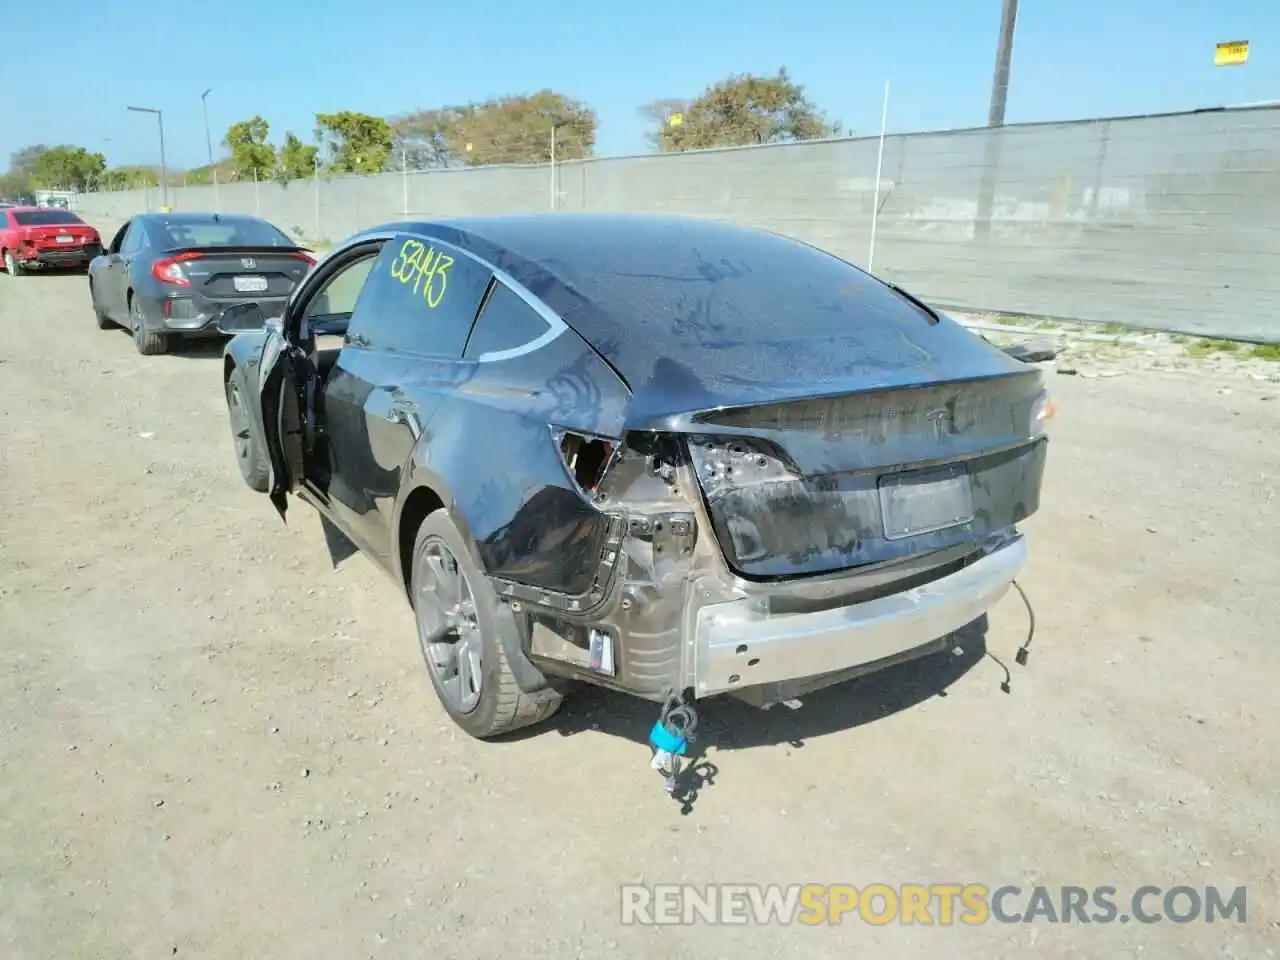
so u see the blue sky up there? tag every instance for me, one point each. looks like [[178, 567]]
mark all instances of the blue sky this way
[[79, 63]]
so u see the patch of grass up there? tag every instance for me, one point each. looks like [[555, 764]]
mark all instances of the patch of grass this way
[[1007, 320], [1045, 325], [1265, 351], [1177, 338], [1207, 345], [1114, 328]]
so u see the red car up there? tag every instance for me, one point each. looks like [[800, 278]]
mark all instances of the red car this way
[[42, 237]]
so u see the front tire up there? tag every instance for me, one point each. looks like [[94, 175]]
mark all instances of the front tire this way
[[11, 264], [250, 455], [459, 618], [149, 342]]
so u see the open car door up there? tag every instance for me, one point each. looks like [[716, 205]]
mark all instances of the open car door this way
[[283, 395]]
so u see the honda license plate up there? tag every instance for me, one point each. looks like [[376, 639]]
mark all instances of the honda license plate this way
[[925, 501], [250, 284], [63, 238]]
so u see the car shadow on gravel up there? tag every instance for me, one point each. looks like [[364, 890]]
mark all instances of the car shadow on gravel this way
[[42, 274], [730, 724], [183, 348]]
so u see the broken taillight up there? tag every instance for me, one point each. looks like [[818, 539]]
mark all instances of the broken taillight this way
[[1041, 412], [721, 462]]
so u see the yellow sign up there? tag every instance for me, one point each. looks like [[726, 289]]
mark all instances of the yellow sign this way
[[468, 148], [675, 119], [1234, 53]]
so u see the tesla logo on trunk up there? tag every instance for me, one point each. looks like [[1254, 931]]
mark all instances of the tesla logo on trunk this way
[[941, 420], [248, 263]]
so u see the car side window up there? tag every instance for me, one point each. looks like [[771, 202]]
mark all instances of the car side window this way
[[421, 298], [4, 220], [505, 323], [133, 239], [340, 292], [118, 240]]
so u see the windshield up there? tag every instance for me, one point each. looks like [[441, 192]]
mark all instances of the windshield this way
[[175, 233], [36, 218]]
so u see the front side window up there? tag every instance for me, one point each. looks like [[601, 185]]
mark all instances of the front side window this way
[[135, 238], [337, 298], [421, 298]]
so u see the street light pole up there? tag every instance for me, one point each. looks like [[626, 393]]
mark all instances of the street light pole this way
[[208, 142], [164, 167], [995, 119], [1004, 54]]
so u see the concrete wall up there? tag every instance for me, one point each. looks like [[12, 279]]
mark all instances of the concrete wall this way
[[1169, 222]]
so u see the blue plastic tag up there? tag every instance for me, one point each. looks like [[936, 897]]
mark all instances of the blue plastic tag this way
[[663, 739]]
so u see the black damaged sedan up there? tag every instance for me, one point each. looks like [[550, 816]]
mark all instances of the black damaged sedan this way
[[668, 456]]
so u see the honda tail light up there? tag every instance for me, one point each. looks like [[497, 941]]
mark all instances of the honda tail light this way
[[169, 269]]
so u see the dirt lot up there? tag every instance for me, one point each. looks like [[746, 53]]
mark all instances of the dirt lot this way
[[215, 745]]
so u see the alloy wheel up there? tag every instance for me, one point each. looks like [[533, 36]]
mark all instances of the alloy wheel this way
[[448, 627]]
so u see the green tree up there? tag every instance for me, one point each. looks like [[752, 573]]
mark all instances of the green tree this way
[[132, 177], [659, 114], [357, 142], [744, 109], [297, 160], [420, 140], [251, 155], [67, 167], [22, 166], [518, 129]]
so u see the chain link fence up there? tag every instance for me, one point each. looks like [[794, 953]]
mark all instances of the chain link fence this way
[[1167, 222]]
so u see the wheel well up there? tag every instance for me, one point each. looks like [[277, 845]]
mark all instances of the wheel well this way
[[421, 503], [228, 365]]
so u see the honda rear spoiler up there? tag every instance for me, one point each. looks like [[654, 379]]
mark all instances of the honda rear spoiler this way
[[260, 250]]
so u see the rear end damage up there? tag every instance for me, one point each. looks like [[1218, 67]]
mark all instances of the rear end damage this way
[[54, 246], [771, 550]]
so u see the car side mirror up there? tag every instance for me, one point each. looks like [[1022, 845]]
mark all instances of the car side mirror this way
[[241, 317]]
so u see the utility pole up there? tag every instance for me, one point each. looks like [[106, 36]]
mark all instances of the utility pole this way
[[208, 142], [1004, 54], [995, 118], [554, 198], [164, 168]]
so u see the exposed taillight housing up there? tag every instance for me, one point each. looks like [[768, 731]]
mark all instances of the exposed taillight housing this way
[[169, 269], [586, 457]]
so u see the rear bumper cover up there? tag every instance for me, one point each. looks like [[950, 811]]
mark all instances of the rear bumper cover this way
[[57, 256], [737, 646], [197, 316]]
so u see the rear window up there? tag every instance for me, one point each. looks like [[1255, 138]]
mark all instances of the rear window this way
[[39, 218], [225, 233]]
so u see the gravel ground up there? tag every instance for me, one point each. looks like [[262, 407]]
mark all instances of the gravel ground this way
[[215, 745]]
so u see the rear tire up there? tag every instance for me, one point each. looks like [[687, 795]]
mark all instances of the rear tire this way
[[255, 469], [499, 705], [149, 342], [11, 264], [104, 322]]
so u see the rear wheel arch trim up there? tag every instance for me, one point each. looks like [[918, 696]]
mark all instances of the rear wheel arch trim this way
[[415, 507], [424, 501]]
